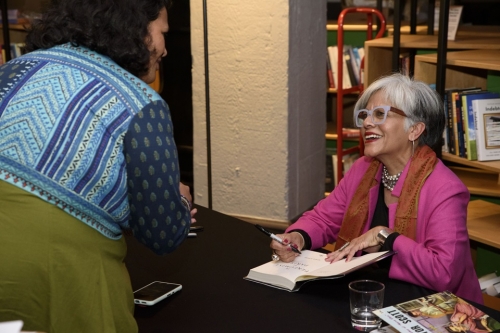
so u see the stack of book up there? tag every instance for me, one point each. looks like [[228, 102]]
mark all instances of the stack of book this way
[[472, 124], [351, 66]]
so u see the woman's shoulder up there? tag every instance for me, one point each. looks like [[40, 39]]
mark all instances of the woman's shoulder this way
[[443, 180], [88, 67]]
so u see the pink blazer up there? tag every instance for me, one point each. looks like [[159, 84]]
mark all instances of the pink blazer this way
[[439, 259]]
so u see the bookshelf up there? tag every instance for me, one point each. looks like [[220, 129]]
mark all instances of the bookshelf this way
[[378, 52], [355, 35], [369, 30], [464, 69]]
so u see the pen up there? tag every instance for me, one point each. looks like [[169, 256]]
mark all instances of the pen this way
[[343, 246], [276, 238]]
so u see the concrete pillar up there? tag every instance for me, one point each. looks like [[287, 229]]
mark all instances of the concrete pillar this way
[[267, 72]]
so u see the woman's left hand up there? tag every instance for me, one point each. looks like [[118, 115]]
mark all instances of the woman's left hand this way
[[368, 242]]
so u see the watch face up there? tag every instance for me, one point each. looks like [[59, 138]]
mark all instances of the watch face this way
[[382, 235]]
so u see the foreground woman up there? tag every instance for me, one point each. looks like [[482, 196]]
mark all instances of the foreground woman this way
[[86, 152]]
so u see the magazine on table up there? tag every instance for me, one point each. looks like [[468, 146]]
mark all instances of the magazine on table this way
[[442, 312]]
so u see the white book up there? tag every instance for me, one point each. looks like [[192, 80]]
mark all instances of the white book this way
[[361, 52], [487, 128], [308, 266], [333, 55], [334, 58]]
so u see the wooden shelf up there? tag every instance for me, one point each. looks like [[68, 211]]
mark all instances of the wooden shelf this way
[[483, 222], [466, 69], [479, 182], [463, 68], [378, 52], [484, 59], [463, 30], [492, 166]]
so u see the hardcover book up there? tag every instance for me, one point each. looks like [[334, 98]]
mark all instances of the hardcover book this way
[[470, 132], [442, 312], [451, 117], [333, 57], [308, 266], [487, 123]]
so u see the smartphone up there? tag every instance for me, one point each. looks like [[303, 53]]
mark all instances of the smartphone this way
[[155, 292], [196, 228]]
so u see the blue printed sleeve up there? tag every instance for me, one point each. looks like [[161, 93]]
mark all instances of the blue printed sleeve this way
[[158, 218]]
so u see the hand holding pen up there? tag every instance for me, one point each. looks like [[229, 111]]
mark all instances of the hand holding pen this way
[[285, 256]]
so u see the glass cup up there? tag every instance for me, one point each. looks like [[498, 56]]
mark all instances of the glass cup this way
[[366, 296]]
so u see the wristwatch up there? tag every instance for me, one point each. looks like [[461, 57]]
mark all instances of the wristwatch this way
[[382, 236]]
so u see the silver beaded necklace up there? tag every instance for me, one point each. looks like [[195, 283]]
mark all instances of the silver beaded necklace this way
[[388, 180]]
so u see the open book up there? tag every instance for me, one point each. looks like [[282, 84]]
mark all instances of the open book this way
[[441, 312], [309, 266]]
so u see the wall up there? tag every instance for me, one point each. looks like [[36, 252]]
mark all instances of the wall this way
[[267, 103]]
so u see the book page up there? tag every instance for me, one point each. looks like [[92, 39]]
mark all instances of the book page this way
[[305, 263], [341, 266]]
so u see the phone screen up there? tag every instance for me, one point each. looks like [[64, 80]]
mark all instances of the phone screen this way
[[155, 290]]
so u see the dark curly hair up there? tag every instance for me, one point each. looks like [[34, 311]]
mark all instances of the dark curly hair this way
[[114, 28]]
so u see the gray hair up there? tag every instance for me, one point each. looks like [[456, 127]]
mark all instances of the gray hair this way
[[416, 99]]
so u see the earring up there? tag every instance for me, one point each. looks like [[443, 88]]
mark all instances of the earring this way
[[412, 147]]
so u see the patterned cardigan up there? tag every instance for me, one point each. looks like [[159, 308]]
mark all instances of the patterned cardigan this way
[[80, 132]]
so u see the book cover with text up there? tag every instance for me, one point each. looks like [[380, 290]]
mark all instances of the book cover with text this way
[[442, 312], [487, 124]]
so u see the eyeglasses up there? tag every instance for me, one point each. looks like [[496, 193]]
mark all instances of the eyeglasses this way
[[378, 114]]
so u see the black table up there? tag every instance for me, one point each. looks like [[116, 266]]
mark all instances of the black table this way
[[216, 298]]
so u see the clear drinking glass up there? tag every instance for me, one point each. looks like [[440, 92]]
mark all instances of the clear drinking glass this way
[[366, 296]]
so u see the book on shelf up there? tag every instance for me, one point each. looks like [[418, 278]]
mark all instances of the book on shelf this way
[[352, 66], [350, 132], [333, 55], [308, 266], [348, 160], [454, 14], [461, 113], [446, 135], [329, 71], [441, 312], [470, 134], [451, 117], [16, 50], [490, 284], [487, 127], [331, 169], [357, 58], [346, 69], [404, 63]]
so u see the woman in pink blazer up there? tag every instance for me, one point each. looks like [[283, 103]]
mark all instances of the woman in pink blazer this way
[[399, 196]]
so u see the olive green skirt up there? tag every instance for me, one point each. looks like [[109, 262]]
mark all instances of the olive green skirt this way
[[57, 274]]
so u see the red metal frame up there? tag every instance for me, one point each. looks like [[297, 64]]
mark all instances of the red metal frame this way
[[340, 89]]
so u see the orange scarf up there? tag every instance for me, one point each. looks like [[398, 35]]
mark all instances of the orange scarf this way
[[421, 165]]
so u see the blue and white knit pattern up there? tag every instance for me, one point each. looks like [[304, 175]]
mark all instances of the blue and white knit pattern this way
[[63, 115]]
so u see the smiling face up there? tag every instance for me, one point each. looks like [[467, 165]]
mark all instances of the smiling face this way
[[157, 30], [388, 142]]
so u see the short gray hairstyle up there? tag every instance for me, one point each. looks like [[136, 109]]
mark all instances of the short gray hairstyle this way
[[416, 99]]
